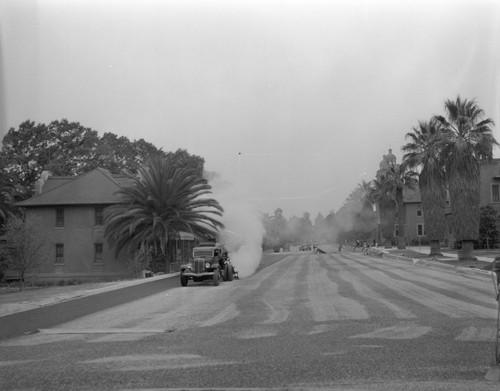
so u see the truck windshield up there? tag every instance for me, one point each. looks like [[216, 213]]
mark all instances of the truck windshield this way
[[203, 253]]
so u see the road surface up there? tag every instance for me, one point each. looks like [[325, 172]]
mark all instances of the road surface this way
[[335, 321]]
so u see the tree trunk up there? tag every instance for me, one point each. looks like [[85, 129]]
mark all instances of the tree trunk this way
[[433, 194], [21, 281], [401, 220], [435, 248], [467, 251], [387, 220], [401, 242]]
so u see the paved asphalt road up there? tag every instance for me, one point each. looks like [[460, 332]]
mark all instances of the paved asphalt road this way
[[331, 321], [30, 321]]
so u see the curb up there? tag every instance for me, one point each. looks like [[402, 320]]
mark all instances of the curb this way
[[14, 307], [472, 272]]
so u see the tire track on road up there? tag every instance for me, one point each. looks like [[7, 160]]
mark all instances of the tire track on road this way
[[366, 292], [431, 299], [325, 301]]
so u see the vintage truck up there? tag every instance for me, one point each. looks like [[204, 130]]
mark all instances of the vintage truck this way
[[210, 262]]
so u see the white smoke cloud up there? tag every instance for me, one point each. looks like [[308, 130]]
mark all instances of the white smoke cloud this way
[[243, 231]]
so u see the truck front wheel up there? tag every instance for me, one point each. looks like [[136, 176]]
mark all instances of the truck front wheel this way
[[230, 274], [216, 277]]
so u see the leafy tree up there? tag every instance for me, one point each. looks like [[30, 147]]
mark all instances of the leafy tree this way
[[268, 240], [8, 196], [331, 232], [488, 226], [320, 228], [294, 230], [182, 158], [115, 154], [330, 219], [25, 151], [306, 227], [71, 148], [466, 138], [424, 152], [68, 148], [166, 199], [25, 246], [62, 147], [356, 220], [278, 227]]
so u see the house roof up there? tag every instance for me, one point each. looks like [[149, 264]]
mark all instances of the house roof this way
[[98, 186], [412, 196]]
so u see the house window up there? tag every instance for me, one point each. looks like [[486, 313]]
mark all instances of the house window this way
[[59, 253], [420, 230], [59, 217], [495, 193], [419, 210], [99, 215], [98, 248]]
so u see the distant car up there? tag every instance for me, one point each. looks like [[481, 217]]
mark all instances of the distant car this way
[[210, 263]]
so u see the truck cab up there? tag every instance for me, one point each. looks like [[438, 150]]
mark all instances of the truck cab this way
[[210, 262]]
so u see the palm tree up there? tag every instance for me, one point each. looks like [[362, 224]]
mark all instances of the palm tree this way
[[164, 200], [357, 213], [383, 196], [467, 138], [389, 192], [424, 152], [401, 179], [363, 194]]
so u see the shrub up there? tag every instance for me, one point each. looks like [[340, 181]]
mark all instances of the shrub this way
[[138, 261]]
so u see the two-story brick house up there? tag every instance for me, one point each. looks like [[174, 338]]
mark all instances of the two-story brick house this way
[[72, 211], [489, 195]]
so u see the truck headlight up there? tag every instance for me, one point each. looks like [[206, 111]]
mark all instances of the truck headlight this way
[[189, 266], [207, 265]]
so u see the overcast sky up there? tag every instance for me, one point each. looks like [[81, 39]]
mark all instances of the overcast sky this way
[[294, 102]]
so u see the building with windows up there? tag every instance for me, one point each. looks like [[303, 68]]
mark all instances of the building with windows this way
[[72, 211], [490, 183], [414, 219]]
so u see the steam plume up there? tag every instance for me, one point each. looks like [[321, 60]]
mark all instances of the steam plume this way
[[243, 231]]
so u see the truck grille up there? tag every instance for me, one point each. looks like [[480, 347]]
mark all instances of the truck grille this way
[[199, 266]]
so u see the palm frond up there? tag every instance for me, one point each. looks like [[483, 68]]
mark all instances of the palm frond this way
[[164, 200]]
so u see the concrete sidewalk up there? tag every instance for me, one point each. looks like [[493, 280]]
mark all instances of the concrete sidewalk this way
[[15, 301], [426, 250], [442, 262]]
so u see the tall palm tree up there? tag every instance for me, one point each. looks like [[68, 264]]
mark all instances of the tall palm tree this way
[[467, 138], [164, 200], [363, 194], [382, 193], [424, 152], [398, 179]]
